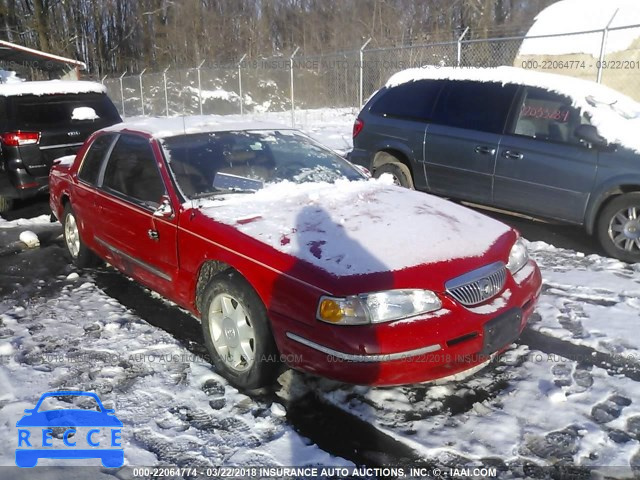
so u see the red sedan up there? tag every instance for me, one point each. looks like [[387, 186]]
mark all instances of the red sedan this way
[[288, 253]]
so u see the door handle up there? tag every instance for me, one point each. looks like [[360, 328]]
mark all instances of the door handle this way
[[483, 149], [512, 155], [153, 234]]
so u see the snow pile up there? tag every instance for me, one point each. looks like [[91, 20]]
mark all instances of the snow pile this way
[[616, 116], [9, 76], [65, 161], [23, 222], [347, 228], [84, 113], [50, 87], [30, 239], [569, 16]]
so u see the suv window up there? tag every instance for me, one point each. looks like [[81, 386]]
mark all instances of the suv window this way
[[90, 168], [475, 105], [548, 116], [413, 100], [132, 170], [51, 111]]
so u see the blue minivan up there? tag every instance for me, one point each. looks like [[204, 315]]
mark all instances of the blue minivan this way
[[545, 145]]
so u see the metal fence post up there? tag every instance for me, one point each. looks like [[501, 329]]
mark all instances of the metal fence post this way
[[122, 94], [166, 95], [460, 45], [603, 45], [141, 90], [293, 105], [360, 92], [240, 81], [200, 85]]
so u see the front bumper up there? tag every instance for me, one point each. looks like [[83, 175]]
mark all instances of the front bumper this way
[[439, 345]]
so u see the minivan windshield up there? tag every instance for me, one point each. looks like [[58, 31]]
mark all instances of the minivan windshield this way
[[244, 161]]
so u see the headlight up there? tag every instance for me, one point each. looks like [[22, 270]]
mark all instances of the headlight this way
[[377, 307], [518, 256]]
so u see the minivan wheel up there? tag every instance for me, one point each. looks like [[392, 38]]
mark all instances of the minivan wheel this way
[[619, 227], [80, 254], [237, 333], [399, 171], [5, 204]]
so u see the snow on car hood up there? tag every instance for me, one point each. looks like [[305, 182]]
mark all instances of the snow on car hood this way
[[351, 228], [607, 112]]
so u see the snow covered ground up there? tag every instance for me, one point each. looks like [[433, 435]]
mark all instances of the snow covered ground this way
[[566, 397]]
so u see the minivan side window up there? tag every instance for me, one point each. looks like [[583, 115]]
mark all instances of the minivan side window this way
[[547, 116], [411, 100], [133, 172], [92, 163], [475, 105]]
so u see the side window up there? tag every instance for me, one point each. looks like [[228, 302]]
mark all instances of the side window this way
[[132, 171], [90, 168], [547, 116], [475, 105], [411, 100]]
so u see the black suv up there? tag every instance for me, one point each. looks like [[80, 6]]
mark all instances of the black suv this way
[[42, 121], [545, 145]]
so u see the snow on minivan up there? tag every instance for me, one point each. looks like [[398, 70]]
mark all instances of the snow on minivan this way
[[546, 145], [40, 122]]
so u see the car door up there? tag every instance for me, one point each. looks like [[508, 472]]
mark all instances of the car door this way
[[398, 122], [86, 195], [462, 142], [542, 167], [137, 236]]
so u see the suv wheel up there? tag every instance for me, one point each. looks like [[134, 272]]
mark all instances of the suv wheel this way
[[237, 333], [619, 227], [80, 254], [399, 171], [5, 204]]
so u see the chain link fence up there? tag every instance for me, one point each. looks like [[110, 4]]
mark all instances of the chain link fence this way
[[299, 84]]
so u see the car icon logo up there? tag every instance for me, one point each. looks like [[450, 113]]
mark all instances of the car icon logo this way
[[69, 433]]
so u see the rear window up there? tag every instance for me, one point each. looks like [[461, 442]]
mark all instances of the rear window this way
[[411, 100], [31, 111]]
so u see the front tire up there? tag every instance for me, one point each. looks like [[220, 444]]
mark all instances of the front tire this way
[[618, 227], [237, 333], [399, 171], [80, 254]]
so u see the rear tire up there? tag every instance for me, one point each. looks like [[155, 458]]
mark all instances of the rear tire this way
[[399, 171], [6, 204], [237, 333], [80, 254], [618, 227]]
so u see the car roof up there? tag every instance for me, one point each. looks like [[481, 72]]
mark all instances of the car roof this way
[[163, 127], [572, 87], [50, 87]]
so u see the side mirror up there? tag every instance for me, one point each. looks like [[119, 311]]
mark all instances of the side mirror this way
[[164, 210], [589, 134]]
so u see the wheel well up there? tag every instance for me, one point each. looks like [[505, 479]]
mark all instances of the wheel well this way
[[611, 194], [380, 160], [64, 200], [208, 270]]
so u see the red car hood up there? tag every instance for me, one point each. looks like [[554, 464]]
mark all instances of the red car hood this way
[[356, 228]]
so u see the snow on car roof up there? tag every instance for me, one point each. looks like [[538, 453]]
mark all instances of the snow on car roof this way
[[159, 127], [50, 87], [616, 116]]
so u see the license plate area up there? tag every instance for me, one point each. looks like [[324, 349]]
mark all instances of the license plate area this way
[[501, 331]]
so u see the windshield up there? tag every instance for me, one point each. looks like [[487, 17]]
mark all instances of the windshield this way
[[244, 161]]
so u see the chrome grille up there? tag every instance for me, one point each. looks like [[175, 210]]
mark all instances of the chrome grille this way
[[478, 285]]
